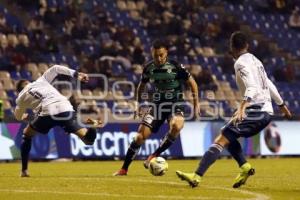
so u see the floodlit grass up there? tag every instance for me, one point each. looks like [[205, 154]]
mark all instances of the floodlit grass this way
[[276, 178]]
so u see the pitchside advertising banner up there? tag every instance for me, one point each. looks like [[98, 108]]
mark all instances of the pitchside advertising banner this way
[[279, 138]]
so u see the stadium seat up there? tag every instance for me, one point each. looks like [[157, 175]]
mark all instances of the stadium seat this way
[[42, 67], [15, 75], [121, 5], [6, 104], [86, 92], [4, 75], [31, 67], [3, 94], [8, 85], [35, 75], [12, 40], [131, 5], [220, 95], [140, 5], [26, 75]]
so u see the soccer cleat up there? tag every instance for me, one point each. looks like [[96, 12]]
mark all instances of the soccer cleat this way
[[147, 162], [121, 172], [24, 173], [246, 171], [94, 123], [192, 178]]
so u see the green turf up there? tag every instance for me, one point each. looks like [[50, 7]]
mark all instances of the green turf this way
[[274, 179]]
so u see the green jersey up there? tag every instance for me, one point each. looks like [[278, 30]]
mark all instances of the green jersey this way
[[167, 80]]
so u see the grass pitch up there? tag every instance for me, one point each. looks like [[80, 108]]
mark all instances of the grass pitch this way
[[274, 179]]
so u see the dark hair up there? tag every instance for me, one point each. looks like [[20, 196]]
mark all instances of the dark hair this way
[[238, 40], [20, 85], [160, 43]]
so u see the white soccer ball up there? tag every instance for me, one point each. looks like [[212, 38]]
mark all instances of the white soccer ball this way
[[158, 166]]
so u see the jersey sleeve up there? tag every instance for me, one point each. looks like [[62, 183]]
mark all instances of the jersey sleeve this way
[[274, 93], [20, 108], [183, 73], [247, 77], [56, 70]]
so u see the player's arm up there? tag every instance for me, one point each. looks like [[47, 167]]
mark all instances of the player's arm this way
[[194, 88], [278, 100], [56, 70], [251, 89], [185, 75], [139, 90], [20, 110], [20, 113]]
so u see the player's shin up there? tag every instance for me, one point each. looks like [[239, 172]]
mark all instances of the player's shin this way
[[90, 136], [131, 154], [168, 140], [25, 149], [235, 149], [209, 158]]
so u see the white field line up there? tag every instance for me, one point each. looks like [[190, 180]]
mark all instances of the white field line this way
[[256, 196]]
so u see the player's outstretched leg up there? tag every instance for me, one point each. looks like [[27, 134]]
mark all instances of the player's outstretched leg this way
[[208, 159], [175, 126], [25, 149], [168, 140], [28, 133], [235, 149], [130, 155], [143, 133], [242, 177]]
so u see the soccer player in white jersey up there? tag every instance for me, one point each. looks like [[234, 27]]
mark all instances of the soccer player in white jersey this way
[[51, 109], [252, 116]]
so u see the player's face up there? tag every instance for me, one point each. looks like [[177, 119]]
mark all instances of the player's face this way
[[159, 55]]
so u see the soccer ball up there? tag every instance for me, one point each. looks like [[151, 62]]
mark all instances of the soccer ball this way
[[158, 166]]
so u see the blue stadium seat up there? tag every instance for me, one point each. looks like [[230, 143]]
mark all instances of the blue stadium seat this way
[[15, 75], [8, 113], [25, 75], [11, 94]]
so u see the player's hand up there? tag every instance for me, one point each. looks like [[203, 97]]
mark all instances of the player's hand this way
[[94, 122], [196, 111], [25, 117], [137, 113], [83, 77], [286, 112], [238, 116]]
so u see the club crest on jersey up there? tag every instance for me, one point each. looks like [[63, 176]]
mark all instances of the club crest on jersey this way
[[169, 70]]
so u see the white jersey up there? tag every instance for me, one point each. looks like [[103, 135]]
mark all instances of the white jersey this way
[[254, 83], [42, 97]]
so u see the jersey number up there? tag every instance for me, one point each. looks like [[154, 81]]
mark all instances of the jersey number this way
[[36, 94]]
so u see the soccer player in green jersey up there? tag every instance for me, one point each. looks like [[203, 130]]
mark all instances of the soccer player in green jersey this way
[[168, 77]]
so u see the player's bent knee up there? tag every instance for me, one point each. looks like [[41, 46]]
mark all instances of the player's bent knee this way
[[140, 139], [90, 136], [28, 132], [222, 140], [143, 133], [176, 126], [177, 122]]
